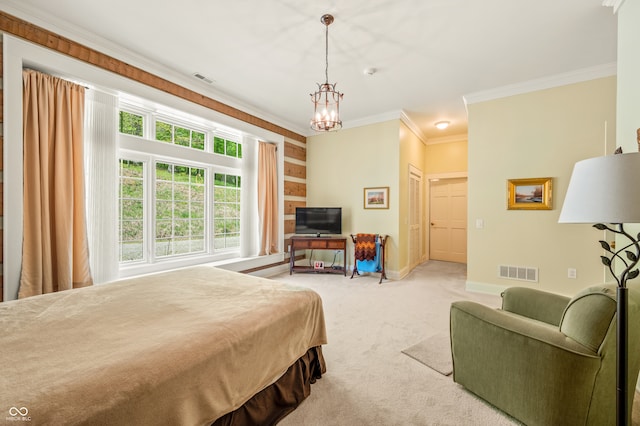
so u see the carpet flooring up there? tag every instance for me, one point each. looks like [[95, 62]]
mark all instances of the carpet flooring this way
[[369, 380]]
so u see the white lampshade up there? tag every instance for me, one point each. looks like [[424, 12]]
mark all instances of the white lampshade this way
[[604, 190]]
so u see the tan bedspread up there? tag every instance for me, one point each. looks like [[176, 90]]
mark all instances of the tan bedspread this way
[[182, 347]]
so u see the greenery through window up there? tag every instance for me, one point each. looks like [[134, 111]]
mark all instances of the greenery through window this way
[[131, 211], [131, 124], [227, 147], [167, 132], [226, 211], [180, 209]]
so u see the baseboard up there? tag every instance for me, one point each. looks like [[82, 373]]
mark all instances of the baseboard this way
[[485, 288]]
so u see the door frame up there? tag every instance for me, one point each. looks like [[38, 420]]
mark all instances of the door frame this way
[[413, 170]]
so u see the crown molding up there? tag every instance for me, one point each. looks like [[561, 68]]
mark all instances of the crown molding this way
[[462, 137], [413, 127], [613, 3], [577, 76], [365, 121]]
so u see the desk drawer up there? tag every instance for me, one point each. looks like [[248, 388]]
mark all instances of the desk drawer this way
[[317, 244], [339, 244]]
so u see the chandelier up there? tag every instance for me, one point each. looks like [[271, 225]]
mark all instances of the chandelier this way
[[326, 101]]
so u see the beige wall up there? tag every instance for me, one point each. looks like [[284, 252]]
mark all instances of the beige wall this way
[[537, 134], [412, 153], [341, 164], [446, 156]]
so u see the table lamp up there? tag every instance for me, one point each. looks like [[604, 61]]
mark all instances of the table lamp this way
[[605, 191]]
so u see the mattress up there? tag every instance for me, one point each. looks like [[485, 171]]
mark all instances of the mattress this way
[[182, 347]]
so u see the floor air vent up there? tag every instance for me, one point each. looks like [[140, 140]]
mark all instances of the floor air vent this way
[[522, 273]]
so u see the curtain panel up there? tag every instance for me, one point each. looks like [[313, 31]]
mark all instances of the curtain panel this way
[[55, 253], [101, 177], [268, 198]]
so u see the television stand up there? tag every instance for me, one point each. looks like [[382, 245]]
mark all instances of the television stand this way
[[317, 242]]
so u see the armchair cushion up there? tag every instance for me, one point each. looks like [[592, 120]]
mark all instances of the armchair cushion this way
[[535, 304]]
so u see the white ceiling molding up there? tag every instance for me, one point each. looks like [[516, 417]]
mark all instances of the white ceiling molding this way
[[613, 3], [413, 127], [373, 119], [463, 137], [572, 77]]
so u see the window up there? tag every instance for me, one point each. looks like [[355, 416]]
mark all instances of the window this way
[[179, 209], [130, 211], [226, 207], [130, 124], [167, 132], [176, 203], [227, 147]]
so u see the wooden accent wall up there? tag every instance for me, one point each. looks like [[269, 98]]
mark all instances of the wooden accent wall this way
[[1, 176], [295, 185], [295, 144]]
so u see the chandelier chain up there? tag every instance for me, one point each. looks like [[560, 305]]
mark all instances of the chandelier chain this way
[[326, 53]]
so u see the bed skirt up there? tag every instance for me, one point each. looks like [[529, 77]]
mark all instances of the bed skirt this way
[[273, 403]]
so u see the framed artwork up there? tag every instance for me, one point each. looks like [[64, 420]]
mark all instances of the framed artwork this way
[[529, 194], [376, 198]]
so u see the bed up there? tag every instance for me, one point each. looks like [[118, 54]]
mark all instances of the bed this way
[[193, 346]]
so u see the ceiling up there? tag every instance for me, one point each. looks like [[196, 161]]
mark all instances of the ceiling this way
[[266, 56]]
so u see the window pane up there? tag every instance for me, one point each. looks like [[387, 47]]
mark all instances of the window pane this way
[[179, 203], [183, 136], [164, 131], [226, 211], [218, 145], [231, 180], [131, 211], [232, 149], [197, 140], [130, 124]]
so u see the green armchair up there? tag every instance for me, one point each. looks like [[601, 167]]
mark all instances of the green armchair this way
[[543, 358]]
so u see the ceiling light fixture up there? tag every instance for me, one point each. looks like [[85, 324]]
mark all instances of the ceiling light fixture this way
[[442, 125], [326, 101]]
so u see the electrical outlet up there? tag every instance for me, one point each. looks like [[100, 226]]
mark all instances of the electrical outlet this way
[[572, 273]]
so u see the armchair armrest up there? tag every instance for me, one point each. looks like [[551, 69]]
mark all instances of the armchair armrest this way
[[535, 304]]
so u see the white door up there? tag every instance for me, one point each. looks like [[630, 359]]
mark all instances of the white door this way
[[448, 220], [415, 217]]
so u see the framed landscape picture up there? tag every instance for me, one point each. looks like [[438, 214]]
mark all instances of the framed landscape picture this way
[[529, 194], [376, 198]]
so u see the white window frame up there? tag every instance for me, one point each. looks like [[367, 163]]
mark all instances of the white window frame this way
[[151, 151]]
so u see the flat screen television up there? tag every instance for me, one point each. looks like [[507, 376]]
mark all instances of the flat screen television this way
[[318, 220]]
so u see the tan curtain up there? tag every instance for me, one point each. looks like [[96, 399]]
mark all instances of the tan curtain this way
[[55, 254], [268, 198]]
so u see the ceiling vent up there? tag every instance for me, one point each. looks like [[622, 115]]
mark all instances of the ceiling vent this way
[[202, 77], [521, 273]]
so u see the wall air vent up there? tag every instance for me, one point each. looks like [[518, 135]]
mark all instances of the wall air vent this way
[[202, 77], [521, 273]]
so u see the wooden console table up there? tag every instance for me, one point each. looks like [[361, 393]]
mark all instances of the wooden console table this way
[[318, 243]]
